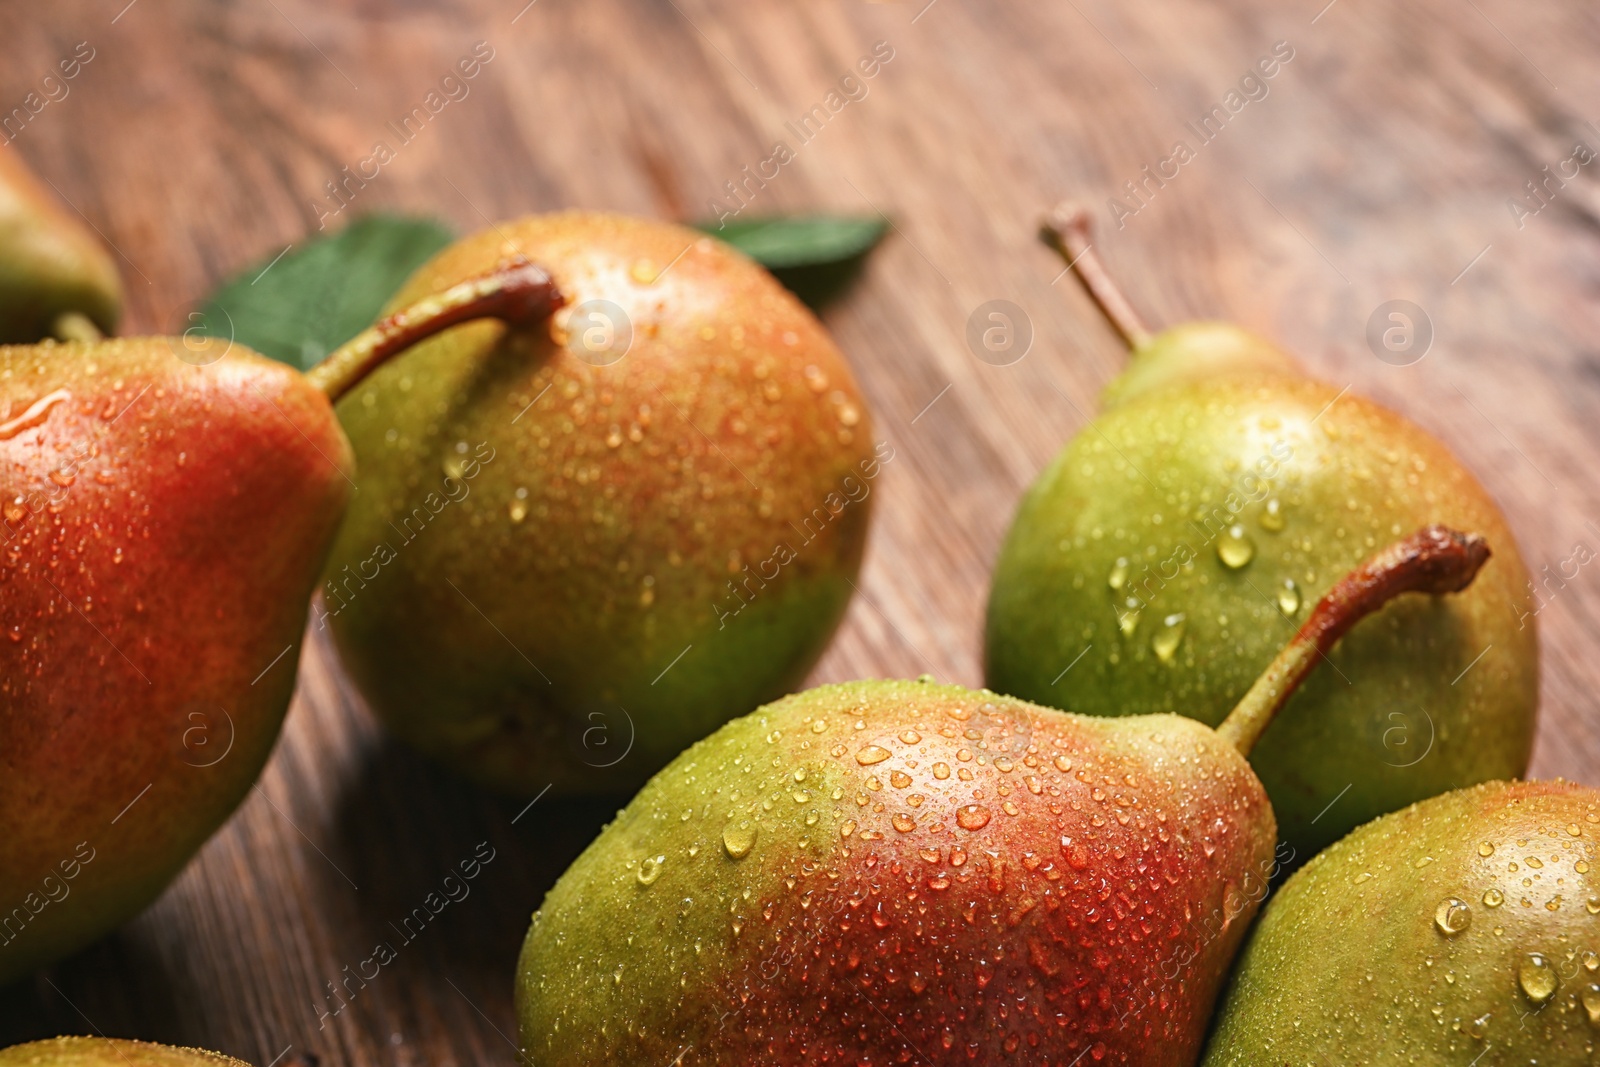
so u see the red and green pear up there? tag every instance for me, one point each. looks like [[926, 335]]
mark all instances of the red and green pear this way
[[166, 505], [1462, 930], [899, 872], [56, 278], [579, 549], [1158, 562]]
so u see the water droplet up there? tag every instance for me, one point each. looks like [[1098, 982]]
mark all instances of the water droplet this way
[[1591, 1003], [899, 779], [1167, 639], [63, 478], [1288, 597], [1493, 898], [871, 754], [1234, 547], [1591, 962], [1128, 617], [739, 840], [1452, 916], [973, 817], [941, 771], [1272, 515], [1593, 905], [911, 737], [650, 869], [1538, 979], [35, 414], [1486, 850], [903, 822], [643, 271], [1119, 574], [518, 511]]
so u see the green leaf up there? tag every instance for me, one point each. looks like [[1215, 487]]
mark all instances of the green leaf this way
[[816, 256], [324, 291], [801, 240]]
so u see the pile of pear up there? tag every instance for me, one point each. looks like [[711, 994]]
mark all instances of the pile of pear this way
[[522, 535]]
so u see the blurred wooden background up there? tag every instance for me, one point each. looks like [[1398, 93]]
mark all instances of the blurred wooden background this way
[[1378, 166]]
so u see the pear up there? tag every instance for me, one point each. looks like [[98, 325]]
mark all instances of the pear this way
[[56, 278], [1157, 562], [1460, 930], [663, 501], [106, 1052], [166, 505], [897, 872]]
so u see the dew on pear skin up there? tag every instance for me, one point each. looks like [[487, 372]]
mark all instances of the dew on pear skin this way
[[1272, 515], [1119, 574], [1234, 547], [871, 755], [973, 817], [33, 415], [1538, 979], [739, 839], [1590, 998], [650, 869], [1128, 619], [1167, 639], [903, 822], [1493, 898], [518, 511], [1288, 597], [1486, 850], [1452, 916]]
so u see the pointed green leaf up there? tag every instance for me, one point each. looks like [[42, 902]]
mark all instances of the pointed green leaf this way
[[323, 291]]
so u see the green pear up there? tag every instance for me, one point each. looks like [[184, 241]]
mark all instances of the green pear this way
[[899, 872], [56, 278], [1157, 562], [1464, 929], [106, 1052], [166, 505], [578, 549]]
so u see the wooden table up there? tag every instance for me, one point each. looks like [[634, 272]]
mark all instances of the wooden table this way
[[1378, 166]]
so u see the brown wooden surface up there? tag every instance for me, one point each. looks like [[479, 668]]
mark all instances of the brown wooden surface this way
[[200, 138]]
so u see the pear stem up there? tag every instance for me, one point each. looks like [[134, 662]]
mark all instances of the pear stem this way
[[1435, 560], [75, 326], [1068, 230], [517, 292]]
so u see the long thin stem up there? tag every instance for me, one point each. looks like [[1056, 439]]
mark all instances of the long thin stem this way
[[1067, 229], [1435, 560], [518, 292]]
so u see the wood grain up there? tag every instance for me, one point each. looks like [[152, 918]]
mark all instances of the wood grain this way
[[1378, 166]]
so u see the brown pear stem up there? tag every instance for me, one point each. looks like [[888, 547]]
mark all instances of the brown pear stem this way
[[1435, 560], [1067, 229], [517, 292]]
